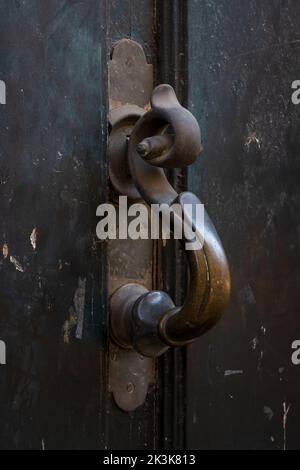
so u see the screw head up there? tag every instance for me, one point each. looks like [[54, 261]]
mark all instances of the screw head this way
[[130, 387]]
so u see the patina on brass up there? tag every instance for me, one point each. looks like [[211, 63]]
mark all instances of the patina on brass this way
[[130, 88], [168, 136]]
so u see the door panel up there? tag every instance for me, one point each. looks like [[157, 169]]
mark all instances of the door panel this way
[[53, 301], [243, 57], [232, 65], [51, 170]]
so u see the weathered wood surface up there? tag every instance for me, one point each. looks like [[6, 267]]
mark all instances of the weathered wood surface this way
[[53, 315], [243, 391], [51, 170]]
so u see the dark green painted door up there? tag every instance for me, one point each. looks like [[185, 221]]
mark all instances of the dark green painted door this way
[[232, 63], [53, 301], [243, 390]]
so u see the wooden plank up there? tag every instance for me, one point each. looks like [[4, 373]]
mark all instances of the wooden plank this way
[[243, 58], [52, 292]]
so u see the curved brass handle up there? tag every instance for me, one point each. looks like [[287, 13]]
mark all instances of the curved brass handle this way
[[169, 136]]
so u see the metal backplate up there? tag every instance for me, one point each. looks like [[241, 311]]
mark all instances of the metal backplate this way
[[130, 76], [130, 376], [130, 88]]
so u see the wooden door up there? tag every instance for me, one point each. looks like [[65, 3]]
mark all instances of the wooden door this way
[[232, 64], [53, 271], [242, 387]]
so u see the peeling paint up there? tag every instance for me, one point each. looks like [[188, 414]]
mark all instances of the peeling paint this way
[[68, 325], [286, 410], [33, 238], [76, 313], [281, 371], [228, 373], [263, 330], [16, 264], [252, 139], [254, 343], [5, 250]]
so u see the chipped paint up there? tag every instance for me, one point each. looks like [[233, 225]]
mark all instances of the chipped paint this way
[[12, 259], [17, 264], [228, 373], [68, 325], [33, 238], [252, 139], [254, 343], [281, 371], [76, 313], [5, 250], [286, 410]]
